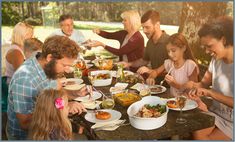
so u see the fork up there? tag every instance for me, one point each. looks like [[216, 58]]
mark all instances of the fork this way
[[167, 74], [107, 126], [90, 90]]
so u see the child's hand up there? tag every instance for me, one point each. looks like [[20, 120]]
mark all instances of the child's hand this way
[[150, 81], [170, 80], [75, 107]]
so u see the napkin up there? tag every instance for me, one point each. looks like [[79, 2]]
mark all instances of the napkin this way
[[139, 86], [108, 126], [91, 104], [118, 88], [123, 85]]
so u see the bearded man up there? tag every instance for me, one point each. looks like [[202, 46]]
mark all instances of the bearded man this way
[[34, 75]]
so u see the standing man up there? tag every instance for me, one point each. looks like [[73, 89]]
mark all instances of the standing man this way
[[34, 75], [67, 29], [155, 51]]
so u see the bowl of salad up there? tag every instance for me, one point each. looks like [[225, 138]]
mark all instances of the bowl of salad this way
[[148, 114]]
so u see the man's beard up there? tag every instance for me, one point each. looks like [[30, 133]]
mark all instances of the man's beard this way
[[153, 33], [50, 70]]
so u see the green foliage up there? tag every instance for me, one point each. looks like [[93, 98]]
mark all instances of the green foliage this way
[[10, 16], [34, 21]]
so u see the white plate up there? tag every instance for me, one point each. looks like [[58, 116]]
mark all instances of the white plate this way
[[76, 80], [89, 65], [87, 61], [74, 87], [96, 95], [91, 104], [163, 89], [114, 73], [189, 105], [115, 115]]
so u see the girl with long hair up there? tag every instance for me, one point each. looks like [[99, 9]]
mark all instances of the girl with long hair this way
[[181, 67], [50, 117]]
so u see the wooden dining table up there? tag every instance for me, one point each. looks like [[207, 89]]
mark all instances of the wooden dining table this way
[[196, 120]]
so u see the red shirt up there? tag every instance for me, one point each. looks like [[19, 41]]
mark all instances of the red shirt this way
[[133, 49]]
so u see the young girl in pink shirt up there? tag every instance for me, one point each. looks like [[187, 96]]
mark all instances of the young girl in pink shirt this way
[[180, 66]]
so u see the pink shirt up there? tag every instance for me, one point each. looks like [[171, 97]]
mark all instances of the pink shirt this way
[[181, 75]]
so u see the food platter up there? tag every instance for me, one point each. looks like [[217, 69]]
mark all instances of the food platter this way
[[157, 89], [100, 78], [189, 105], [115, 115], [114, 73]]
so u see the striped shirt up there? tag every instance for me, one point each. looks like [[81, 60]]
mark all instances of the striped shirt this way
[[25, 85]]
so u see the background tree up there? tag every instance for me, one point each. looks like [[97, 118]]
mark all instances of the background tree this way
[[193, 15]]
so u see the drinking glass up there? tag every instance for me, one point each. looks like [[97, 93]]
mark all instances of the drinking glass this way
[[77, 73], [181, 100], [91, 77], [108, 101]]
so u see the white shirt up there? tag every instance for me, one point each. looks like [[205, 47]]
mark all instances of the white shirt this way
[[222, 81], [76, 36]]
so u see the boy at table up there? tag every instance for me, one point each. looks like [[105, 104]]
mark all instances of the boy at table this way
[[34, 75], [155, 51]]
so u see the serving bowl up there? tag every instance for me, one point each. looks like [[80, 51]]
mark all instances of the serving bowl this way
[[146, 123], [103, 64], [97, 80]]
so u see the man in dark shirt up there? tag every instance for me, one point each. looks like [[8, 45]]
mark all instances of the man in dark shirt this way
[[155, 51]]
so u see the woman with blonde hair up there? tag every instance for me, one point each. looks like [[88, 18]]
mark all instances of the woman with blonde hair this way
[[50, 117], [14, 54], [130, 39]]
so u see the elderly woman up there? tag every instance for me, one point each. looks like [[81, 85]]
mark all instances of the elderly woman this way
[[15, 54], [130, 39], [217, 38]]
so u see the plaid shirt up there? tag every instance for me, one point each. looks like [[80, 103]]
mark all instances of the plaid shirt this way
[[24, 87]]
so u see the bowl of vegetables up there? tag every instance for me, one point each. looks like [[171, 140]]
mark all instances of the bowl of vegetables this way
[[100, 78], [148, 114]]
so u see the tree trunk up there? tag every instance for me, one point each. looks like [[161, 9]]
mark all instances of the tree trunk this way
[[193, 15], [22, 9]]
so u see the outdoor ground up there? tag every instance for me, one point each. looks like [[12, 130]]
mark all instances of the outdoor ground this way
[[42, 33]]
